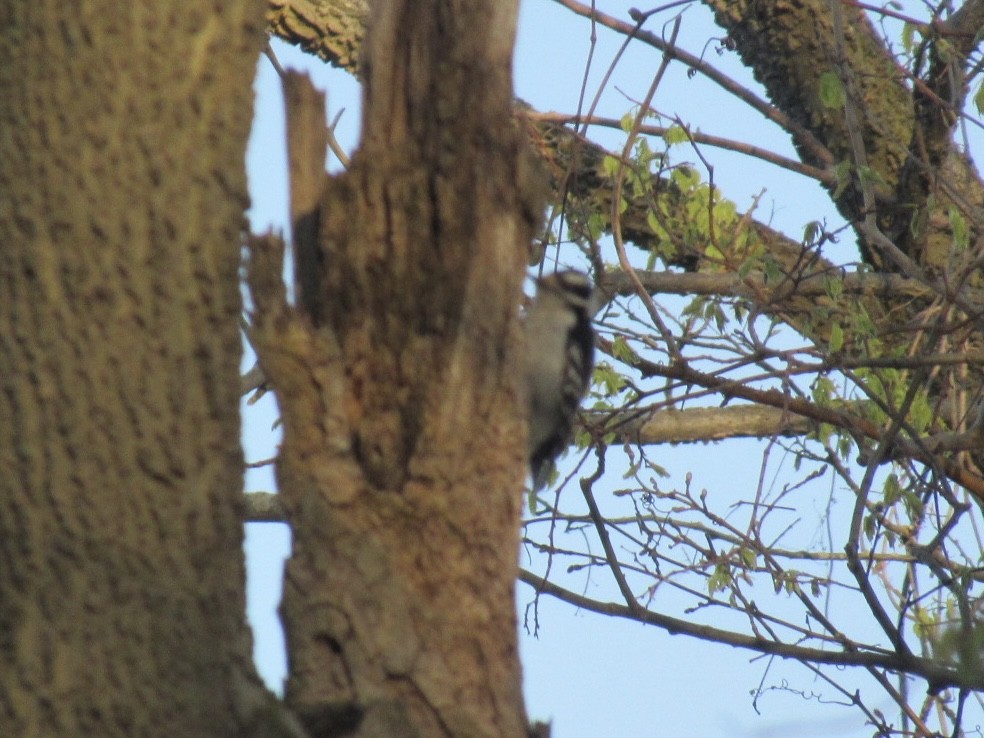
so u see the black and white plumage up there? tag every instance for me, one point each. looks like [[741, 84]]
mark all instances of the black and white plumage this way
[[559, 360]]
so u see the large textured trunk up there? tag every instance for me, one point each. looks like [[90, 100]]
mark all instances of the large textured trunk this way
[[122, 135]]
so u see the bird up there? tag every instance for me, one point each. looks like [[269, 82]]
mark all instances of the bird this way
[[559, 362]]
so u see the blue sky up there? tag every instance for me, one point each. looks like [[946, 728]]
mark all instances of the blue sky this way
[[593, 676]]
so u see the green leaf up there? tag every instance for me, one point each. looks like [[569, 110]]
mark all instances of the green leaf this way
[[811, 232], [607, 377], [961, 234], [610, 164], [597, 224], [867, 175], [823, 390], [836, 338], [772, 272], [892, 489], [748, 557], [621, 350], [908, 37], [913, 504], [844, 447], [921, 413], [790, 584], [686, 178], [870, 524], [694, 307], [843, 174], [714, 253], [979, 99], [675, 135], [713, 311], [924, 625], [832, 94], [862, 324], [833, 286], [719, 579], [653, 222]]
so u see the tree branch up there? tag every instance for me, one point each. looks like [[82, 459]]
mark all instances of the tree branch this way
[[819, 152], [332, 30], [937, 675], [860, 428]]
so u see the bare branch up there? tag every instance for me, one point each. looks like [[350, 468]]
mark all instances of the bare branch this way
[[937, 675]]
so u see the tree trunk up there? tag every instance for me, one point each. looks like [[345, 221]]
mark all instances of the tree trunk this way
[[122, 135], [402, 459]]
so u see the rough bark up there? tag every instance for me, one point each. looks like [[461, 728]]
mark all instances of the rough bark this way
[[402, 459], [903, 126], [332, 30], [121, 197]]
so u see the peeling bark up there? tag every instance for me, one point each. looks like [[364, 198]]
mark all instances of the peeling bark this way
[[402, 459]]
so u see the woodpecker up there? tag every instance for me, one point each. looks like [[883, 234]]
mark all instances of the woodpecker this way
[[559, 360]]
